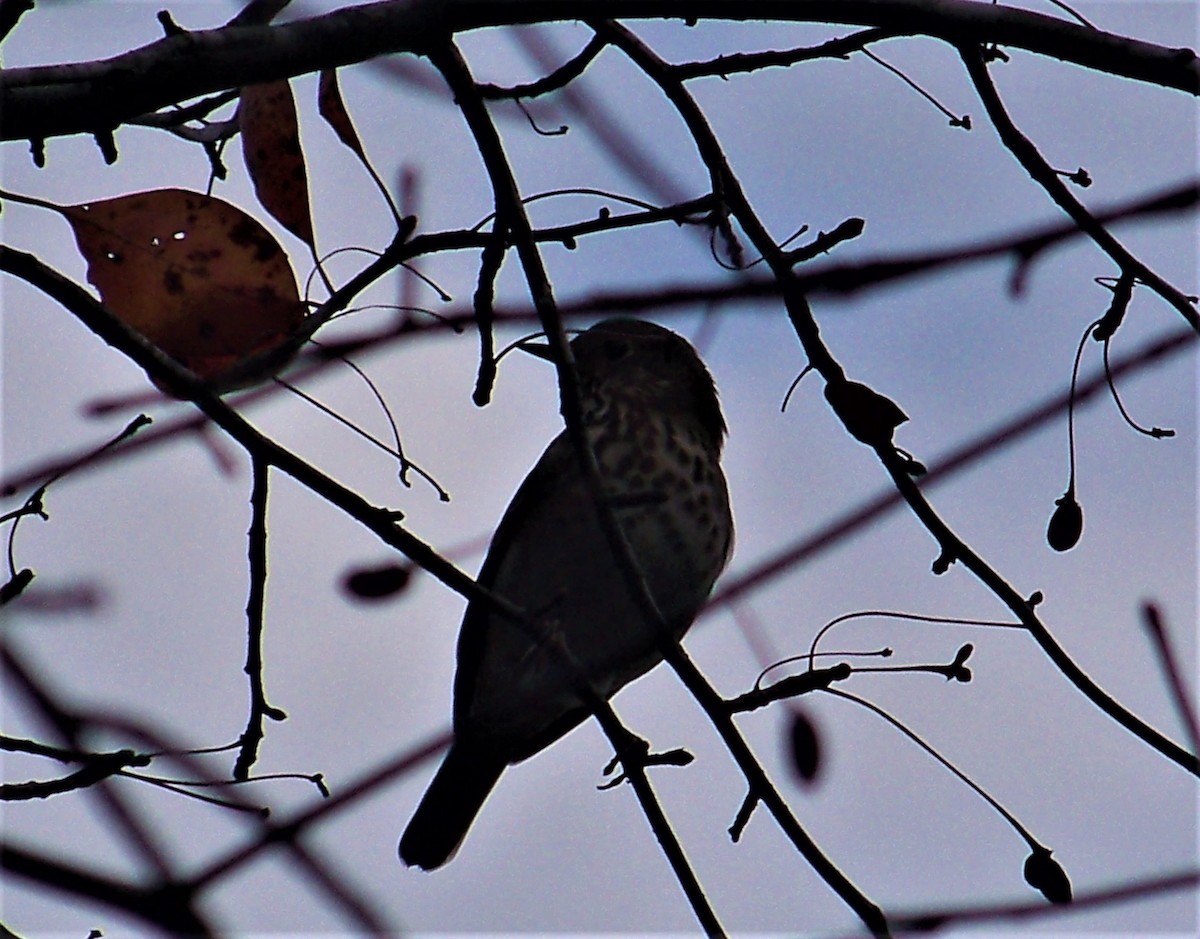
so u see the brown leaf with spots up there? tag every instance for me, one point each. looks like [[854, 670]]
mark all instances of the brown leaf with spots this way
[[196, 276], [274, 159]]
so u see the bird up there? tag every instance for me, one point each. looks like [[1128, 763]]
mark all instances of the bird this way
[[651, 414]]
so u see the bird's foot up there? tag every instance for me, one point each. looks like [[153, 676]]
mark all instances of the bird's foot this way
[[635, 752]]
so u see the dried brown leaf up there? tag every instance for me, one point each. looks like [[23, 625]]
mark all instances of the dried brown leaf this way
[[274, 158], [196, 276], [333, 109]]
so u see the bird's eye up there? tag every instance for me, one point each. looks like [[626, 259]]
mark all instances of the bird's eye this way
[[614, 350]]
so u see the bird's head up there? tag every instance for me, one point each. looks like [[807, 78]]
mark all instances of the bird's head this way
[[648, 366]]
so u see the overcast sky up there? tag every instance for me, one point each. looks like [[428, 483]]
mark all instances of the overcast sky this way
[[162, 536]]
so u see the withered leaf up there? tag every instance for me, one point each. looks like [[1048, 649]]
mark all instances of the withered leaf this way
[[274, 158], [198, 277]]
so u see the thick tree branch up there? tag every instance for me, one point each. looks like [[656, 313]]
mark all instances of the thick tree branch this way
[[97, 97]]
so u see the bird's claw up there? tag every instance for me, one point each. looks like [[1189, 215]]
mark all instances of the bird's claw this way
[[642, 758]]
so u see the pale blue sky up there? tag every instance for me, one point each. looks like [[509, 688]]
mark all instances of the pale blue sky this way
[[164, 535]]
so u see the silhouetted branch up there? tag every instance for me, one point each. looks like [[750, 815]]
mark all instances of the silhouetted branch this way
[[1170, 666], [733, 63], [385, 523], [762, 789], [835, 280], [952, 548], [255, 605], [143, 85], [11, 12], [283, 832], [96, 767], [168, 908], [49, 101], [561, 76], [632, 755], [1040, 170], [510, 212]]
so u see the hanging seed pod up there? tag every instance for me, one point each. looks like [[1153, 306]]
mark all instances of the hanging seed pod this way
[[1066, 524], [1047, 876], [805, 748], [377, 583]]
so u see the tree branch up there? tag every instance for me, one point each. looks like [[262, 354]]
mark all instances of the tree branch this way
[[92, 97], [1042, 173], [383, 522], [161, 907]]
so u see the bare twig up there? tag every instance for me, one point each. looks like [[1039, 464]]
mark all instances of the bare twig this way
[[1170, 666], [276, 833], [835, 280], [257, 539], [559, 78], [383, 522], [732, 64], [1044, 174], [987, 444]]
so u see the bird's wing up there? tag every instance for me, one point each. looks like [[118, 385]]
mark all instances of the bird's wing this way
[[553, 470]]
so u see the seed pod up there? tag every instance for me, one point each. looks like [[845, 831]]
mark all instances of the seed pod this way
[[377, 583], [1047, 876], [805, 748], [1066, 524]]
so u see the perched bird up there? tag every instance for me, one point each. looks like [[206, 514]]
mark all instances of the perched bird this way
[[651, 413]]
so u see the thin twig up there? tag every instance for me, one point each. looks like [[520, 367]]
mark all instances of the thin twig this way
[[962, 777], [559, 78], [255, 607], [284, 832], [731, 64], [490, 262], [383, 522], [1026, 153], [968, 454], [838, 280], [1152, 619]]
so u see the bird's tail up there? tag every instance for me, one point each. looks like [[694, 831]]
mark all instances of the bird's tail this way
[[449, 806]]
